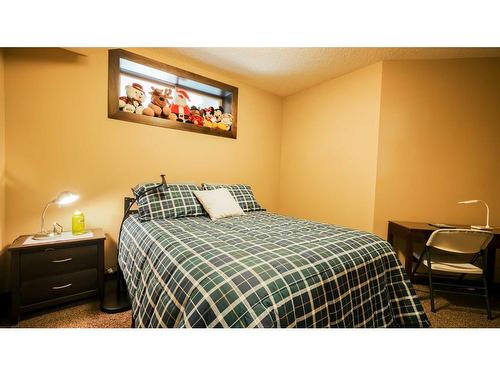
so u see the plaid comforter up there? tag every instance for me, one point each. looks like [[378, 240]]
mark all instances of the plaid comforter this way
[[263, 270]]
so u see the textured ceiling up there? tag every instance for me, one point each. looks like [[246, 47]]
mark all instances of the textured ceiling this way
[[284, 71]]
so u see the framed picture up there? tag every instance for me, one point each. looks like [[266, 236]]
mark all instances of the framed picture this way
[[150, 92]]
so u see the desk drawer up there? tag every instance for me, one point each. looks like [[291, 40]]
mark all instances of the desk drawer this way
[[50, 261], [58, 286]]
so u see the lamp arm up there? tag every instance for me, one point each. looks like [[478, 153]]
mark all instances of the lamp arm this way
[[43, 215], [487, 214]]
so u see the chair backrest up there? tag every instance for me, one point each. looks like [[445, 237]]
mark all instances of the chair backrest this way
[[463, 241]]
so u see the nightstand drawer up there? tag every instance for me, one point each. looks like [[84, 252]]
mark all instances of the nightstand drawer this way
[[50, 261], [58, 286]]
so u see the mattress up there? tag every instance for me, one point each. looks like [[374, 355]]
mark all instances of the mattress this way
[[263, 270]]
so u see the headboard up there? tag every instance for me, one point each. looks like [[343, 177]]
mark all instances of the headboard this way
[[127, 203]]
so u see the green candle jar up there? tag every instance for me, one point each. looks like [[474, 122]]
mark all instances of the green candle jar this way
[[77, 223]]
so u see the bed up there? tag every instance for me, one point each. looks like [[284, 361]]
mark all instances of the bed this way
[[262, 270]]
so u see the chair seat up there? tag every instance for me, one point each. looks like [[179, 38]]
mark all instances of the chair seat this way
[[447, 264]]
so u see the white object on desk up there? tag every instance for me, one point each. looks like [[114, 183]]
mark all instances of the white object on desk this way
[[481, 227], [442, 226], [65, 236]]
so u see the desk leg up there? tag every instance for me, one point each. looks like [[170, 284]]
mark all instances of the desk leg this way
[[490, 267], [409, 256], [407, 252], [390, 237], [15, 289]]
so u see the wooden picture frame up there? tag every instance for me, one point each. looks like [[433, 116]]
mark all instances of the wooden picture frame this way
[[229, 95]]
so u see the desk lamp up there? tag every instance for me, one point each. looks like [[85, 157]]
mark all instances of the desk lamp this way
[[480, 227], [63, 199]]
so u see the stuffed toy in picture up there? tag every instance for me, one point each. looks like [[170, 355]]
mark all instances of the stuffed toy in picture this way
[[179, 106], [207, 113], [133, 101], [226, 122], [209, 124], [160, 105], [208, 116], [195, 116], [218, 114]]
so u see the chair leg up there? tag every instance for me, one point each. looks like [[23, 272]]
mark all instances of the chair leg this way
[[487, 296], [419, 262], [429, 272], [485, 282]]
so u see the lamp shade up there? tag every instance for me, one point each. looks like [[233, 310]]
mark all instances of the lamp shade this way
[[66, 197]]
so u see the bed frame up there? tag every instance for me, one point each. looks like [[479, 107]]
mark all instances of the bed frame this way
[[124, 303], [127, 204], [113, 304]]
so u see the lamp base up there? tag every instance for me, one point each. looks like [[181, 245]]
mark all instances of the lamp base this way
[[481, 227], [45, 235]]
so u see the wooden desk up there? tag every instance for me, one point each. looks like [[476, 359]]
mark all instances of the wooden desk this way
[[412, 232]]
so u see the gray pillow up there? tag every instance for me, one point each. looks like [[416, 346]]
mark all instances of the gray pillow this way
[[167, 202]]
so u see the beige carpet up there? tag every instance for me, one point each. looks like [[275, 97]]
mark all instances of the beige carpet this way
[[85, 315], [452, 312], [459, 311]]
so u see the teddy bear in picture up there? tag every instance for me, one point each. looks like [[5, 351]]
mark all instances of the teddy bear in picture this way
[[195, 116], [160, 105], [179, 107], [133, 101], [226, 122]]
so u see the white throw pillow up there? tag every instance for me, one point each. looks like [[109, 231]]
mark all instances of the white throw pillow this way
[[219, 203]]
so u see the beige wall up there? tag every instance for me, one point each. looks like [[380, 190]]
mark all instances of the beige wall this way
[[403, 140], [370, 141], [329, 150], [3, 260], [439, 141], [59, 138]]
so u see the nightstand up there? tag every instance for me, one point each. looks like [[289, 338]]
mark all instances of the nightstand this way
[[51, 273]]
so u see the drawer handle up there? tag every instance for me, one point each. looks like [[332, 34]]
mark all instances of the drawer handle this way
[[62, 260], [49, 249], [62, 286]]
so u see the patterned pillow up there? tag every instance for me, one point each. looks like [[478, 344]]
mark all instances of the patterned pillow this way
[[173, 201], [242, 193]]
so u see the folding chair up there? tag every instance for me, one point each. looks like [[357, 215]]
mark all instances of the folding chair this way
[[448, 248]]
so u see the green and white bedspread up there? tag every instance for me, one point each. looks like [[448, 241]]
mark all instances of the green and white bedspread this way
[[263, 270]]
